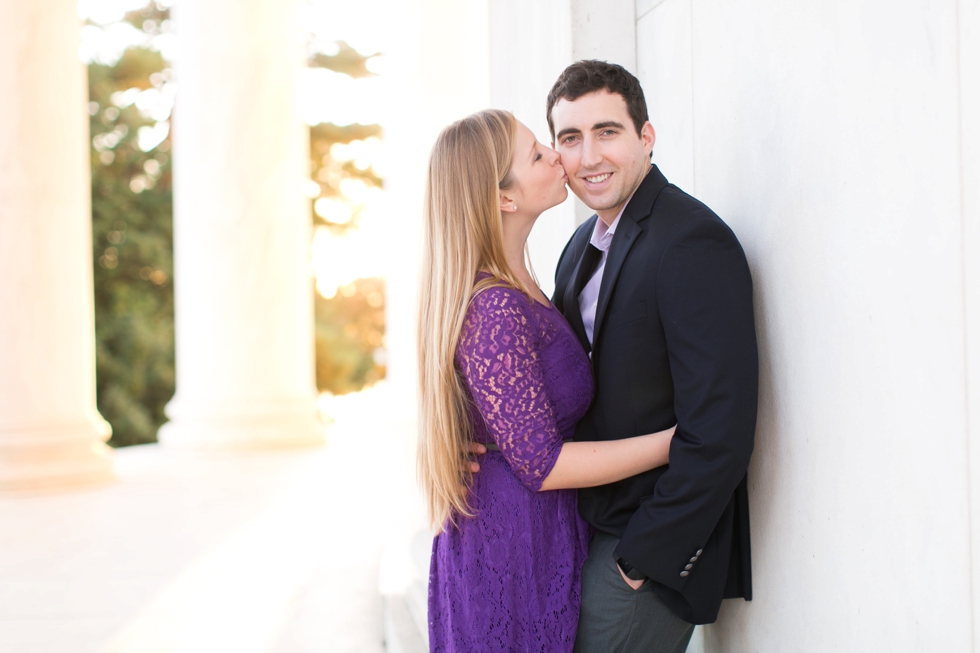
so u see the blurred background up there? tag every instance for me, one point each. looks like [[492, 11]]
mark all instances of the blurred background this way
[[129, 49], [209, 238]]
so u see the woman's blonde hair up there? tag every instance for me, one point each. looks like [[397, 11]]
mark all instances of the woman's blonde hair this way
[[462, 235]]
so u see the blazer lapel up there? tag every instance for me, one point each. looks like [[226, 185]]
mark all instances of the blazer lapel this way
[[626, 233], [580, 276], [639, 209]]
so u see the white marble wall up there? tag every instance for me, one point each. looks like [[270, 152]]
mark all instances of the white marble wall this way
[[969, 76], [840, 141], [604, 30]]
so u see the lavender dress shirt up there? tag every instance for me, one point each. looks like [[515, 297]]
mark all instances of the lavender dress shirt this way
[[588, 299]]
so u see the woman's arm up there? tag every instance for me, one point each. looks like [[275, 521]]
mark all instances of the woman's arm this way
[[588, 464], [505, 380]]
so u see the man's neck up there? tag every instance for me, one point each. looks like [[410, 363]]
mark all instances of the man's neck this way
[[609, 215]]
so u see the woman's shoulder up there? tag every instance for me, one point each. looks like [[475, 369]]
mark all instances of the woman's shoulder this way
[[499, 323], [499, 298]]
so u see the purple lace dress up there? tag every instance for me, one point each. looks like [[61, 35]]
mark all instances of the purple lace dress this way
[[508, 579]]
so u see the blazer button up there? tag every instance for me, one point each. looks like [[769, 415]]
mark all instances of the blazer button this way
[[694, 559], [684, 574], [688, 567], [699, 552]]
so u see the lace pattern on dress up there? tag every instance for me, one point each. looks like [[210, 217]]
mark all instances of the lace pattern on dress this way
[[498, 356]]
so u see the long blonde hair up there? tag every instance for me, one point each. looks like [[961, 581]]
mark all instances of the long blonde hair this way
[[462, 235]]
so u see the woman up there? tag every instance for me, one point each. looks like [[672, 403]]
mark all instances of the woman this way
[[500, 366]]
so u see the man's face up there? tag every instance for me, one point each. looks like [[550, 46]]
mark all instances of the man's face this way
[[604, 157]]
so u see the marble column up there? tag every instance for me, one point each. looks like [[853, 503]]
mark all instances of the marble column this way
[[50, 431], [242, 231]]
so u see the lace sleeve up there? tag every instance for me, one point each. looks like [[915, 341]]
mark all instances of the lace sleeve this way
[[497, 356]]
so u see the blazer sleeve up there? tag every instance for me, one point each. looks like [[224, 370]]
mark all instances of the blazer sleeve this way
[[704, 292]]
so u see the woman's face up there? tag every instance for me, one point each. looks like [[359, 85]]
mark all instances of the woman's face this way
[[539, 179]]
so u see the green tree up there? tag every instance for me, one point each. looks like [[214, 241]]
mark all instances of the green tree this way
[[349, 326], [349, 333], [132, 240], [325, 169]]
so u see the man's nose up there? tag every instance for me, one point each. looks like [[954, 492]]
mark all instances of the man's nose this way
[[591, 156]]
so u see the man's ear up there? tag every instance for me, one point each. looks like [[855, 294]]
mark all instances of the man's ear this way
[[507, 203], [648, 136]]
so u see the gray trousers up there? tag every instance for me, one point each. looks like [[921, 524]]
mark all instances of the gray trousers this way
[[616, 618]]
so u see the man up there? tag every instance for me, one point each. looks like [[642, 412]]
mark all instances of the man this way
[[658, 290]]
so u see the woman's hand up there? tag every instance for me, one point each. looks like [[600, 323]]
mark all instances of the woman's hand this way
[[476, 449]]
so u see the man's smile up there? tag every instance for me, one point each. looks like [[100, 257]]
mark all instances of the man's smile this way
[[598, 179]]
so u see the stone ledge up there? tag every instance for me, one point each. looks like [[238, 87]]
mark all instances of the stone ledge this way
[[401, 631], [251, 551]]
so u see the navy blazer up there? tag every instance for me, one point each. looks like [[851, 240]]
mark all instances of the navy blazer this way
[[674, 342]]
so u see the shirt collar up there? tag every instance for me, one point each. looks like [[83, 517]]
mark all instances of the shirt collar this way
[[602, 235]]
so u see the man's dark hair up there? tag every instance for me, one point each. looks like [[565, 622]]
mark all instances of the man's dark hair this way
[[589, 76]]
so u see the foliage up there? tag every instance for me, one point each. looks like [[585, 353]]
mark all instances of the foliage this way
[[349, 330], [350, 325], [148, 18], [132, 246], [330, 173], [347, 60]]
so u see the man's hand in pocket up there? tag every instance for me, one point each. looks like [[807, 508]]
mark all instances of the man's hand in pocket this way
[[635, 584]]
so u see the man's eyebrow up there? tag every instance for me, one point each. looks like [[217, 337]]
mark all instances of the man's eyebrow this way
[[607, 124], [567, 131]]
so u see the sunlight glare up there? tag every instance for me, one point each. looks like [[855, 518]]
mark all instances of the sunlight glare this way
[[339, 260], [333, 210], [149, 137], [328, 96]]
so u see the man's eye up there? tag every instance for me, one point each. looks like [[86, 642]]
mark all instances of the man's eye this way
[[568, 140]]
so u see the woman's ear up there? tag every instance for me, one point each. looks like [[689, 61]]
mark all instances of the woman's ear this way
[[507, 203]]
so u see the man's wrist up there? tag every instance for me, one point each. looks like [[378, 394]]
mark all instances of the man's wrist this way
[[628, 570]]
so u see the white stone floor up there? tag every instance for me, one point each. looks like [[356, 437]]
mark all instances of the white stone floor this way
[[265, 552]]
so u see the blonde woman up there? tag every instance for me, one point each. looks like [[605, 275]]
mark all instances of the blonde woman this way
[[500, 367]]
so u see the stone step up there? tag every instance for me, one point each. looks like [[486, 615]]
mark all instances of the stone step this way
[[406, 610]]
